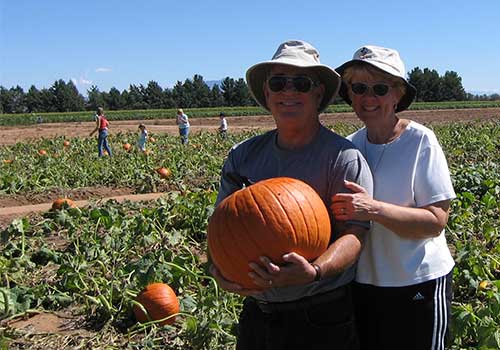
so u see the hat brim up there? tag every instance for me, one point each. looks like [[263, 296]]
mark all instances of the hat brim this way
[[257, 74], [405, 101]]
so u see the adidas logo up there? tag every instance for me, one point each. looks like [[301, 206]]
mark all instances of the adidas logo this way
[[418, 296]]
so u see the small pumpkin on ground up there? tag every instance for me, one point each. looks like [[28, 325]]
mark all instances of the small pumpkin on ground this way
[[66, 143], [42, 152], [127, 146], [163, 172], [269, 218], [60, 203], [160, 301]]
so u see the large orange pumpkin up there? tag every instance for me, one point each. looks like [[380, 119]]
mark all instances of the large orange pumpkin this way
[[271, 218], [160, 301], [61, 202]]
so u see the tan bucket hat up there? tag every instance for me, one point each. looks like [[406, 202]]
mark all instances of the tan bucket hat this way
[[388, 61], [296, 53]]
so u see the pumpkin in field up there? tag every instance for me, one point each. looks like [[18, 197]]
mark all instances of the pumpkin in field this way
[[147, 152], [152, 139], [127, 146], [269, 218], [160, 301], [42, 152], [62, 202], [66, 143], [7, 161], [163, 172]]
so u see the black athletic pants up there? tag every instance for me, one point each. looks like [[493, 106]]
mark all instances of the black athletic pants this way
[[411, 317]]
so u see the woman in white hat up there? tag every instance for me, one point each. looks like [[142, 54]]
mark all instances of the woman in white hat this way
[[304, 303], [403, 290]]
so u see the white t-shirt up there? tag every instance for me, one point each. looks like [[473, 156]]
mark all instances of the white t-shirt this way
[[223, 124], [410, 171]]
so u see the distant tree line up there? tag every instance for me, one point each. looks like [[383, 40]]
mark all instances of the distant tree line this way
[[195, 93], [64, 96]]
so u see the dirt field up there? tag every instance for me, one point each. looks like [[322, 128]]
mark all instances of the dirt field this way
[[11, 135], [12, 206]]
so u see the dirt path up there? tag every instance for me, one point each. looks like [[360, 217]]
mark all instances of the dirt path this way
[[11, 135], [7, 214]]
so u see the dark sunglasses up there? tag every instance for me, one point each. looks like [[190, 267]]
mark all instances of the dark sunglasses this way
[[362, 88], [300, 83]]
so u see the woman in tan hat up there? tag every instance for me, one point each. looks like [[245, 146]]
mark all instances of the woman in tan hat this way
[[303, 303], [403, 290]]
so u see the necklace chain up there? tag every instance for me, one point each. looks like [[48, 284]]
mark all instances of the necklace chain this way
[[379, 157]]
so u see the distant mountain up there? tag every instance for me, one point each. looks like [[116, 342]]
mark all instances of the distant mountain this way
[[211, 83], [484, 92]]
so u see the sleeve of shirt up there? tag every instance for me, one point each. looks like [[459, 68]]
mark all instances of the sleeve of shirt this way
[[229, 179], [354, 169], [432, 177]]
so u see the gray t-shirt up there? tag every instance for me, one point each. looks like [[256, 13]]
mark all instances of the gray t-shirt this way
[[323, 164]]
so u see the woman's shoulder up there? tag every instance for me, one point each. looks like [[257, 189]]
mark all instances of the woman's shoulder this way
[[424, 133]]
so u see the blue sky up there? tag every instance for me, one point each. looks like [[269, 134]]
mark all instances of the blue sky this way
[[117, 43]]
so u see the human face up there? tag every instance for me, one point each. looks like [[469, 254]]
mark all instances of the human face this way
[[290, 106], [374, 104]]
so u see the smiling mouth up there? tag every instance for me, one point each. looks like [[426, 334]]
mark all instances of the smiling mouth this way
[[370, 108], [289, 104]]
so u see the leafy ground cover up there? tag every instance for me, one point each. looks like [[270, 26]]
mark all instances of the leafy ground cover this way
[[89, 263]]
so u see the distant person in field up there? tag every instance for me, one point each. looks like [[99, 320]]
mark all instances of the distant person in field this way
[[402, 293], [182, 121], [143, 136], [304, 304], [223, 125], [102, 128]]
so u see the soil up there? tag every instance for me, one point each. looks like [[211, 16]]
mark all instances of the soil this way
[[11, 135], [32, 204]]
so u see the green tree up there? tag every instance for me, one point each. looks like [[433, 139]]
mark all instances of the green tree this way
[[153, 95], [216, 98], [181, 94], [451, 87], [135, 97], [114, 99], [241, 94], [12, 100], [66, 96], [95, 99], [200, 93], [228, 91], [33, 100]]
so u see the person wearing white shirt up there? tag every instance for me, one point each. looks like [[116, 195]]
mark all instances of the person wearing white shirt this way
[[402, 293]]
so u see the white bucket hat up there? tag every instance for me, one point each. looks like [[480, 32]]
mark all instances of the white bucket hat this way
[[386, 60], [296, 53]]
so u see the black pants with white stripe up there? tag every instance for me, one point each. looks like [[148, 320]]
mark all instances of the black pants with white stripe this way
[[411, 317]]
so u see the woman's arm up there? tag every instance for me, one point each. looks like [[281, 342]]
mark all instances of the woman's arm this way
[[412, 223]]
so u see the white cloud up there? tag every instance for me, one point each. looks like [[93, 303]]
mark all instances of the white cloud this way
[[103, 70], [82, 84]]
